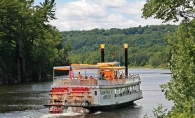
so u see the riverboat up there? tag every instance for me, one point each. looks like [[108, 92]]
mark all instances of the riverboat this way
[[105, 89]]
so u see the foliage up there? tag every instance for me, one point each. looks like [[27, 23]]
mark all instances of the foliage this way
[[29, 46], [158, 112], [169, 9], [180, 89], [147, 45]]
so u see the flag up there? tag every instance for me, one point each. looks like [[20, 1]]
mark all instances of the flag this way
[[70, 75]]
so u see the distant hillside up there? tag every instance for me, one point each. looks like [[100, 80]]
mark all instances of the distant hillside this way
[[147, 45]]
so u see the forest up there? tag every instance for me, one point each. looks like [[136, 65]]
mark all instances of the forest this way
[[29, 45], [146, 45]]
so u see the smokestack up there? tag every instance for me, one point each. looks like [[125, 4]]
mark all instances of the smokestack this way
[[102, 52], [126, 60]]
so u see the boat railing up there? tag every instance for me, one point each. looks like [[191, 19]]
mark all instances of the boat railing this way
[[66, 81], [132, 78]]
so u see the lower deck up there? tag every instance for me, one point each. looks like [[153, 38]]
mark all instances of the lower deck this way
[[94, 96]]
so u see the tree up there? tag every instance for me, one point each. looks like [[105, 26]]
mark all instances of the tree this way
[[169, 10], [28, 44], [8, 34], [180, 89], [36, 39]]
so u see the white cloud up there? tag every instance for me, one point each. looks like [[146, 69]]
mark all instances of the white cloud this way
[[113, 3], [90, 14]]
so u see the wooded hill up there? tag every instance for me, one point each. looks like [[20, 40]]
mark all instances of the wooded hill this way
[[147, 45]]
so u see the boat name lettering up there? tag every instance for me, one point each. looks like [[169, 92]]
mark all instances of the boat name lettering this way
[[103, 92], [107, 97], [75, 81]]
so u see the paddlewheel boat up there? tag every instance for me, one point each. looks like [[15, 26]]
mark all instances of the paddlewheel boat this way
[[107, 88]]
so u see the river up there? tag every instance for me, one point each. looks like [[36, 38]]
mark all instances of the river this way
[[27, 100]]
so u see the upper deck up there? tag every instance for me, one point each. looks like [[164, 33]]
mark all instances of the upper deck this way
[[94, 81], [112, 75]]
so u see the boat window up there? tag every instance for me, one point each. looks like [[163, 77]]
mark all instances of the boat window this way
[[131, 88], [116, 73], [95, 93]]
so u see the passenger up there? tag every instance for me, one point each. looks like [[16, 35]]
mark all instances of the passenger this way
[[91, 80], [120, 76], [86, 77], [107, 78], [111, 77], [115, 77], [104, 76], [90, 77], [100, 76], [79, 75]]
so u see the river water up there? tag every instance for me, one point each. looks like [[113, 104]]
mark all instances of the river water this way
[[27, 100]]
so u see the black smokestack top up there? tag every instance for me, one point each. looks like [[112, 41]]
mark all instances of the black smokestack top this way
[[126, 60], [102, 52], [102, 55]]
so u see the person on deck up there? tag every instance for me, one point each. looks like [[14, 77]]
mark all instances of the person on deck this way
[[86, 77], [90, 77], [79, 75], [100, 76], [115, 77], [111, 77], [120, 76], [91, 80], [103, 76]]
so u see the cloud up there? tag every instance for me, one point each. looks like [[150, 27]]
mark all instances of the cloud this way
[[90, 14], [113, 3]]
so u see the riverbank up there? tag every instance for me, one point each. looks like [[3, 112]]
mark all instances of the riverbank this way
[[164, 66]]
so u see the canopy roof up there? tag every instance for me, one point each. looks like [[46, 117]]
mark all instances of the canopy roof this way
[[108, 65], [113, 68], [75, 67]]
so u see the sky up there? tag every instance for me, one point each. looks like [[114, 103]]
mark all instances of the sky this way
[[106, 14]]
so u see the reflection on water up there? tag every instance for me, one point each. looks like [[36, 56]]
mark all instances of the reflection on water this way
[[27, 97], [27, 100]]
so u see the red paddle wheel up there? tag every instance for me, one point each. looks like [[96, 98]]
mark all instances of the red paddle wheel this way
[[56, 99]]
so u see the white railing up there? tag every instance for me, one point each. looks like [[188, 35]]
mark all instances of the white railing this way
[[94, 82], [132, 78]]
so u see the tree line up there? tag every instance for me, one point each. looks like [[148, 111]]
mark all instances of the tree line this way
[[29, 45], [147, 45]]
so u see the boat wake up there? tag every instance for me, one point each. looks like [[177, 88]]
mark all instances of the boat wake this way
[[70, 111]]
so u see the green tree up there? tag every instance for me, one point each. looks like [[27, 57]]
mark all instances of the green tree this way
[[143, 42], [158, 112], [169, 10], [180, 88], [28, 44], [8, 34]]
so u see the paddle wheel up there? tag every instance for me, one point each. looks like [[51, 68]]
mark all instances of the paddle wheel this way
[[81, 96], [62, 96], [57, 99]]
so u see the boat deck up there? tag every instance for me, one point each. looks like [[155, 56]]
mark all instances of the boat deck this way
[[75, 81]]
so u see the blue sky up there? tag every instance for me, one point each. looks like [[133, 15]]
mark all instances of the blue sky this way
[[106, 14]]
